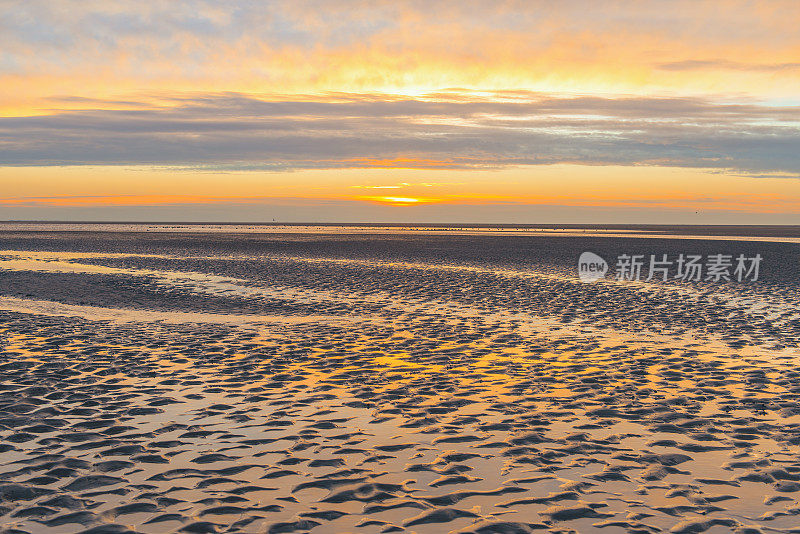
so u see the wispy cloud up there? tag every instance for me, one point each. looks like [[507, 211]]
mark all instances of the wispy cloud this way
[[239, 131], [725, 64], [98, 49]]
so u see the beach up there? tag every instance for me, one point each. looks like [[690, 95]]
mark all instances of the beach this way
[[161, 379]]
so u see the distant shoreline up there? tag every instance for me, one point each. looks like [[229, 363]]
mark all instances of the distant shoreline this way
[[727, 230]]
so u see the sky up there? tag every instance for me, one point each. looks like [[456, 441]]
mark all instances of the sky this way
[[435, 111]]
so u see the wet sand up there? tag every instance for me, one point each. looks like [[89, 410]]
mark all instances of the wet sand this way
[[210, 382]]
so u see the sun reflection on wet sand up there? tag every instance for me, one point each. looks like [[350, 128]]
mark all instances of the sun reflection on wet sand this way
[[278, 392]]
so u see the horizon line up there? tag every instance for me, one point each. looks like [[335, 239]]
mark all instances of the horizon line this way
[[402, 225]]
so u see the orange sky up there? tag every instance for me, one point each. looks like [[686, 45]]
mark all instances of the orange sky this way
[[626, 107]]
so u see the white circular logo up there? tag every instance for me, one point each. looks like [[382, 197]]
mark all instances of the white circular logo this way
[[591, 267]]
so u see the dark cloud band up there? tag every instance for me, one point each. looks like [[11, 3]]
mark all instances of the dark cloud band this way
[[453, 130]]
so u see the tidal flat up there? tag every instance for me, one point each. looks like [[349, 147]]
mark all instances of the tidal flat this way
[[333, 381]]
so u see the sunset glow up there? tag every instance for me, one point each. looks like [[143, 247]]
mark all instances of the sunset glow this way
[[397, 200], [146, 104], [417, 266]]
